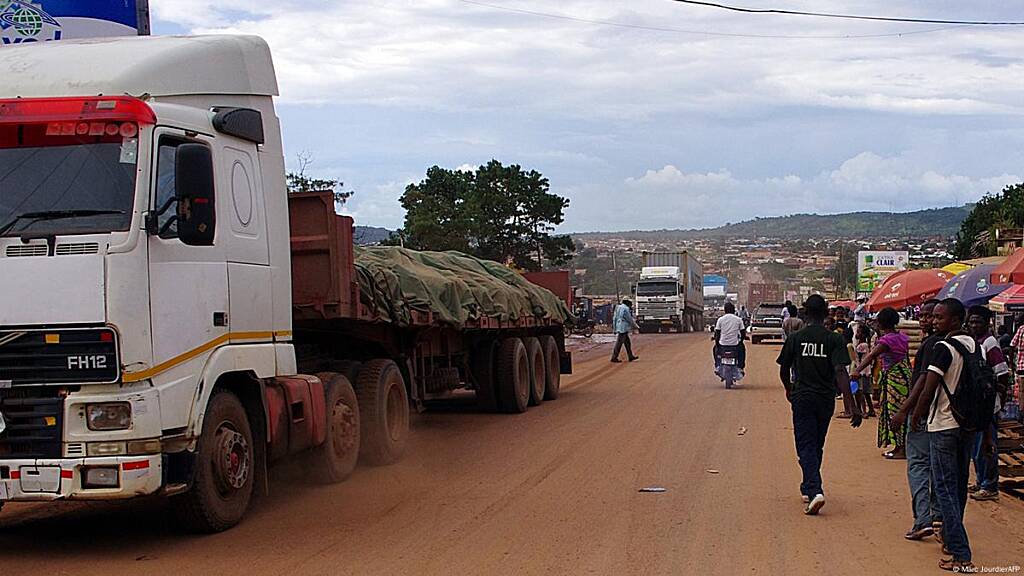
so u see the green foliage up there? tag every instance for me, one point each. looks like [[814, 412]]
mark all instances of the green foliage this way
[[501, 213], [299, 182], [1003, 210], [883, 225]]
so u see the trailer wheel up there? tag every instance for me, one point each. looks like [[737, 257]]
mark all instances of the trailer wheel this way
[[224, 469], [535, 352], [335, 459], [383, 412], [483, 373], [347, 368], [552, 367], [513, 376]]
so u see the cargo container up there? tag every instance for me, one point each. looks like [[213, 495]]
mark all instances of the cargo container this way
[[670, 293]]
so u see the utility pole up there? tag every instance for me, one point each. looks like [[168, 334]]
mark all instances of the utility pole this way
[[615, 269]]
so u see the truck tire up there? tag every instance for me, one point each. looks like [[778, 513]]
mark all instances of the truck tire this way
[[535, 352], [552, 367], [335, 459], [383, 412], [513, 376], [224, 469], [483, 373], [347, 368]]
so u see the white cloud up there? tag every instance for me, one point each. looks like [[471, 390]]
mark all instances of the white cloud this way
[[741, 126], [672, 198]]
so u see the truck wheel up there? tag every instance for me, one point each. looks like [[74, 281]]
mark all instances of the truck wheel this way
[[552, 368], [347, 368], [483, 373], [335, 459], [224, 469], [535, 352], [383, 412], [513, 376]]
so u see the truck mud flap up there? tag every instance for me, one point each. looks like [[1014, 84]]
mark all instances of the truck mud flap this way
[[565, 363]]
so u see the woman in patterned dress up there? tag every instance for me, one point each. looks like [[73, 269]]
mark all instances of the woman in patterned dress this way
[[893, 347]]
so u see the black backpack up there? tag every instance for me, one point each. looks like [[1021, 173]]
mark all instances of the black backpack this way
[[974, 402]]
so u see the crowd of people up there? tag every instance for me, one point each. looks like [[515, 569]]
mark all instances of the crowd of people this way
[[938, 411]]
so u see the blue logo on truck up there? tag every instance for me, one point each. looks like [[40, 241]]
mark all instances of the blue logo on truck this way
[[26, 22]]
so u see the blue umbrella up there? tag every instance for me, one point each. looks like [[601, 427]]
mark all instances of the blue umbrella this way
[[973, 286]]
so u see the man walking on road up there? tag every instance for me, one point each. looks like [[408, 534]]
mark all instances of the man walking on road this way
[[623, 323], [820, 358]]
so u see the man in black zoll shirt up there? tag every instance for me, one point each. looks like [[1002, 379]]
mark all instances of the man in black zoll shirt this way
[[819, 358]]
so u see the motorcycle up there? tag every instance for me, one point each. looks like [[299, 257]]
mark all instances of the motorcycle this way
[[580, 326], [728, 365]]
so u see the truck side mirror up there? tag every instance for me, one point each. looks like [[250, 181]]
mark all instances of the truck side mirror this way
[[194, 190]]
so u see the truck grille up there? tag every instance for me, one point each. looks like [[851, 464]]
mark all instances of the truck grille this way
[[656, 310], [34, 424], [78, 356]]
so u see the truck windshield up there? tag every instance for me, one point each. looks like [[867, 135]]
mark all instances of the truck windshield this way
[[54, 183], [657, 289]]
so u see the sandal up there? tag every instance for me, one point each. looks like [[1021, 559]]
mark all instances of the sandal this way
[[951, 565], [844, 415], [893, 455]]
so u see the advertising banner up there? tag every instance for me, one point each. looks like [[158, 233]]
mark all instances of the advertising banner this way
[[24, 21], [874, 267]]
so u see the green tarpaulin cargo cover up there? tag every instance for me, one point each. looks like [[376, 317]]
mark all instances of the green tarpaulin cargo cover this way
[[458, 289]]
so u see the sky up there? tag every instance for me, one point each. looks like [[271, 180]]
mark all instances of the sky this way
[[646, 114]]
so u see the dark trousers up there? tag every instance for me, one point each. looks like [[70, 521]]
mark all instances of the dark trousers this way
[[951, 465], [623, 340], [741, 358], [811, 417], [986, 464]]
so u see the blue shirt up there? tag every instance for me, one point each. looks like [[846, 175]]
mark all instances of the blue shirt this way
[[623, 321]]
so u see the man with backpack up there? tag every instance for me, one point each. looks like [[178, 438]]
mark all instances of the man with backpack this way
[[958, 399]]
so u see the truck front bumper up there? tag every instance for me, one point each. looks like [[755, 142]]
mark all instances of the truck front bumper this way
[[112, 478]]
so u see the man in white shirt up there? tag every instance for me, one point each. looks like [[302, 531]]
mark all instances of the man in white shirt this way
[[950, 445], [730, 332]]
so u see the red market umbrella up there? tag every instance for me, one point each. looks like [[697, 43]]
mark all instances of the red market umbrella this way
[[908, 288], [1011, 270], [848, 304], [1009, 300]]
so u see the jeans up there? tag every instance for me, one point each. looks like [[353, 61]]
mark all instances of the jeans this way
[[811, 417], [919, 476], [623, 339], [986, 466], [951, 463]]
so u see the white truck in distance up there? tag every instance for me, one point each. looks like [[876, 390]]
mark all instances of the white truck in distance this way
[[660, 299], [171, 320], [670, 293]]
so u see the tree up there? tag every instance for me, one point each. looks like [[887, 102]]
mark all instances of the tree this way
[[498, 212], [994, 211], [298, 182]]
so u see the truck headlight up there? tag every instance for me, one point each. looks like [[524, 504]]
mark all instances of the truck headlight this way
[[109, 416]]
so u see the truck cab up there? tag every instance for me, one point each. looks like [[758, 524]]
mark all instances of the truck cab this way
[[143, 246], [660, 299]]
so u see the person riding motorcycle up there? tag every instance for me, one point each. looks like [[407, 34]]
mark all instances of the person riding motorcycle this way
[[730, 332]]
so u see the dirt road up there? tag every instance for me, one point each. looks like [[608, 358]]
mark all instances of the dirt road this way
[[555, 491]]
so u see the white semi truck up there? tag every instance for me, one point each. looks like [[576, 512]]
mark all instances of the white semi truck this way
[[171, 321], [669, 293]]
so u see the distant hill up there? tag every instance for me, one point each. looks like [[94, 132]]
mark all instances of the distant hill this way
[[923, 223], [369, 235]]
